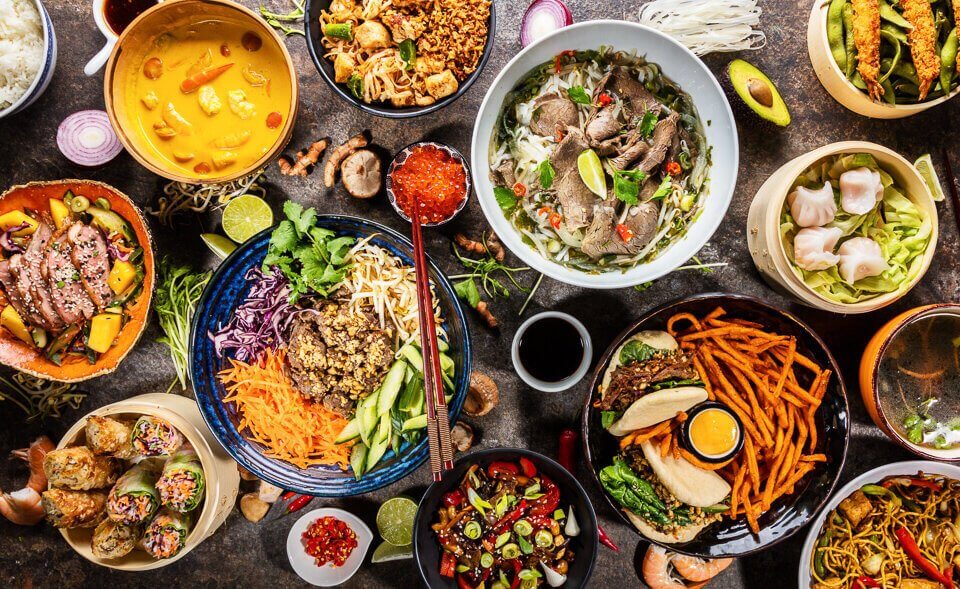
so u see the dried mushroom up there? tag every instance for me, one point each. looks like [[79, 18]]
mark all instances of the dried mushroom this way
[[482, 396], [461, 436], [253, 507], [340, 153], [360, 174]]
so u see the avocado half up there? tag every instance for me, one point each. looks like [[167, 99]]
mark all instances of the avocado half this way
[[758, 92]]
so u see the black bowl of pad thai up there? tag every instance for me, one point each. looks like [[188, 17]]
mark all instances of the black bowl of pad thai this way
[[402, 60]]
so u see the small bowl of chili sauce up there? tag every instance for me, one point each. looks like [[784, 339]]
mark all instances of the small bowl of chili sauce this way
[[436, 174], [327, 546]]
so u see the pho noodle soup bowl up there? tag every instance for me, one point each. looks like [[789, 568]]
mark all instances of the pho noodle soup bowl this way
[[772, 247], [910, 380], [836, 83], [447, 155], [551, 351], [427, 550], [677, 64], [216, 132], [911, 468], [314, 36], [222, 482]]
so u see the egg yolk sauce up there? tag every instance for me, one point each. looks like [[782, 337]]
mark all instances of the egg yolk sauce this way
[[714, 433], [210, 98]]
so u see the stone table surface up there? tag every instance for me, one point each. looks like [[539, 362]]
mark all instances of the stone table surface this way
[[242, 554]]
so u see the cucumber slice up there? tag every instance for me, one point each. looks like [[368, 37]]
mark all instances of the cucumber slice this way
[[358, 460], [391, 387], [350, 432], [412, 354], [447, 365], [414, 423]]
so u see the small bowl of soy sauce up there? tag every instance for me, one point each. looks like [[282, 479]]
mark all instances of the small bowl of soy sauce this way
[[552, 351]]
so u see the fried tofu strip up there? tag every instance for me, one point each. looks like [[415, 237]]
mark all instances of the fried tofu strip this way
[[923, 42], [866, 37]]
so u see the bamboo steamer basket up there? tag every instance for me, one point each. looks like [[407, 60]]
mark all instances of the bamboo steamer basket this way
[[840, 88], [220, 471], [763, 224]]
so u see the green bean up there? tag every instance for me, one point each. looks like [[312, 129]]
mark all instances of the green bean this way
[[948, 61], [890, 15], [835, 33], [896, 55], [858, 81], [906, 70], [908, 88], [889, 94], [851, 64], [896, 31]]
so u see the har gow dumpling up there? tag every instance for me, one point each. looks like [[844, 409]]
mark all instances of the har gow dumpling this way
[[860, 190], [860, 257], [812, 208], [813, 247]]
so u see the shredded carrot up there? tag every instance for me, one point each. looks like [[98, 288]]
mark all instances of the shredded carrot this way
[[274, 414]]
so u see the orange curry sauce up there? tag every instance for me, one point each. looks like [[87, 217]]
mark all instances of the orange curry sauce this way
[[438, 180]]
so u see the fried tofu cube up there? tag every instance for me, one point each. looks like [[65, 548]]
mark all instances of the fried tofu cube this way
[[371, 35], [209, 101], [855, 507], [442, 84], [239, 104], [919, 584], [343, 66], [150, 100]]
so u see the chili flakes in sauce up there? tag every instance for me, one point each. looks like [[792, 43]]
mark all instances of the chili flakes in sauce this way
[[329, 540]]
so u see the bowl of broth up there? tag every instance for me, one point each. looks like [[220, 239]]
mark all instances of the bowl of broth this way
[[201, 91], [910, 380]]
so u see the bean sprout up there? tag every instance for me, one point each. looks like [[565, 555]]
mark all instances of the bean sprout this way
[[180, 197]]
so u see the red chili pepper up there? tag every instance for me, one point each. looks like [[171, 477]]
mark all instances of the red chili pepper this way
[[454, 498], [604, 99], [528, 467], [544, 211], [298, 503], [329, 540], [507, 520], [516, 574], [498, 467], [948, 572], [448, 564], [560, 135], [288, 495], [625, 233], [568, 444], [913, 551], [915, 482], [555, 219], [558, 60], [547, 504], [519, 190], [462, 582], [864, 581], [674, 169], [606, 540]]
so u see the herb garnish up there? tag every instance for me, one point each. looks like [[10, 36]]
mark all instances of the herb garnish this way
[[626, 185], [666, 186], [547, 174], [178, 292], [505, 198], [648, 123], [578, 95]]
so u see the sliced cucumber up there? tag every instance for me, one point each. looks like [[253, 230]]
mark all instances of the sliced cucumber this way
[[391, 387], [350, 432], [447, 365], [109, 221], [415, 423], [358, 460], [412, 354]]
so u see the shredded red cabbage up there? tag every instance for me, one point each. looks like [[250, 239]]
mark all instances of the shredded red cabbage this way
[[115, 253], [261, 321], [6, 239]]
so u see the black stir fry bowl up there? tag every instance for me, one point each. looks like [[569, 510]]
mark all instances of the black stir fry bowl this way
[[314, 35], [428, 551], [790, 513]]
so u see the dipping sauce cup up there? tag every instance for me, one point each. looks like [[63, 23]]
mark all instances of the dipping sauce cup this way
[[551, 351]]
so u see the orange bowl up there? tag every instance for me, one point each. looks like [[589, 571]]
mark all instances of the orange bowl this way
[[25, 358]]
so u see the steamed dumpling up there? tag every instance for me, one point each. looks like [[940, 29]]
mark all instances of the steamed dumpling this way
[[860, 257], [812, 208], [860, 190], [813, 247]]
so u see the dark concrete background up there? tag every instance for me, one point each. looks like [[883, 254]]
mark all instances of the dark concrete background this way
[[242, 554]]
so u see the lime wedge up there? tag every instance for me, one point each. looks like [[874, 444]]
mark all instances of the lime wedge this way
[[245, 216], [218, 244], [924, 165], [387, 552], [395, 520], [591, 172]]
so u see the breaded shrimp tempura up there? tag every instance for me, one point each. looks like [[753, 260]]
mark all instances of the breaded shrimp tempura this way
[[923, 42], [866, 37]]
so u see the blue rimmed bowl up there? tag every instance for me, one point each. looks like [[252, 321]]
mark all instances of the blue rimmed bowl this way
[[45, 73], [228, 288]]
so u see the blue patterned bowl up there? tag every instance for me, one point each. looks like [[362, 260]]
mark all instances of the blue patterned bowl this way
[[45, 74], [227, 290]]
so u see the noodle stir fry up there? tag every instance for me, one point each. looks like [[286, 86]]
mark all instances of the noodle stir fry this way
[[901, 532]]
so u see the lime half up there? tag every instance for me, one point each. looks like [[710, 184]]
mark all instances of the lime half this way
[[245, 216], [218, 244], [924, 165], [591, 172], [387, 552], [395, 520]]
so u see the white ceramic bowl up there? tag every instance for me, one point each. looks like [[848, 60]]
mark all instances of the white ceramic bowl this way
[[45, 73], [560, 385], [327, 575], [680, 65], [896, 469]]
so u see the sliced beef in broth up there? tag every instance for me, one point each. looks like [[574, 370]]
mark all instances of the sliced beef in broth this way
[[553, 113], [603, 238], [576, 199], [663, 135]]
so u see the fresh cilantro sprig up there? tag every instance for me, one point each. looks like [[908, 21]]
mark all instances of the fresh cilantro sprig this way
[[505, 198], [666, 186], [626, 185], [648, 123], [312, 258], [578, 95], [547, 174]]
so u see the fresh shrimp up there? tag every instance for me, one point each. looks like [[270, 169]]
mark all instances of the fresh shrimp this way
[[22, 507], [699, 569], [923, 42], [866, 37], [33, 456], [658, 572]]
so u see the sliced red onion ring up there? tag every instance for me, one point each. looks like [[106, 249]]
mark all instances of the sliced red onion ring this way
[[87, 139], [7, 242], [542, 18], [115, 252]]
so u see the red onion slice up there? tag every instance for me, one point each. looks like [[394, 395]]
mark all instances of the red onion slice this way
[[87, 139], [542, 18]]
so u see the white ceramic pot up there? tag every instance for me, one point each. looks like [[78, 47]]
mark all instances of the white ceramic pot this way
[[222, 476], [763, 224], [842, 89]]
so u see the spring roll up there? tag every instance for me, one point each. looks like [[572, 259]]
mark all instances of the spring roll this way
[[134, 499], [110, 437], [114, 540], [166, 535], [152, 436], [74, 509], [182, 483], [79, 469]]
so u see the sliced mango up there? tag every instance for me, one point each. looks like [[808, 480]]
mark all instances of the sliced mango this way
[[60, 212], [10, 319], [14, 218], [104, 328], [121, 276]]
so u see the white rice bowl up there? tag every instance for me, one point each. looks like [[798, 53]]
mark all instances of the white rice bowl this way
[[21, 49]]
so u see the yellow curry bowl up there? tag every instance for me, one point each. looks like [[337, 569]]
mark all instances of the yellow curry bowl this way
[[870, 368], [201, 91]]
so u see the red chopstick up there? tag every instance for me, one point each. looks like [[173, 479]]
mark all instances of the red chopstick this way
[[954, 196], [438, 422]]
